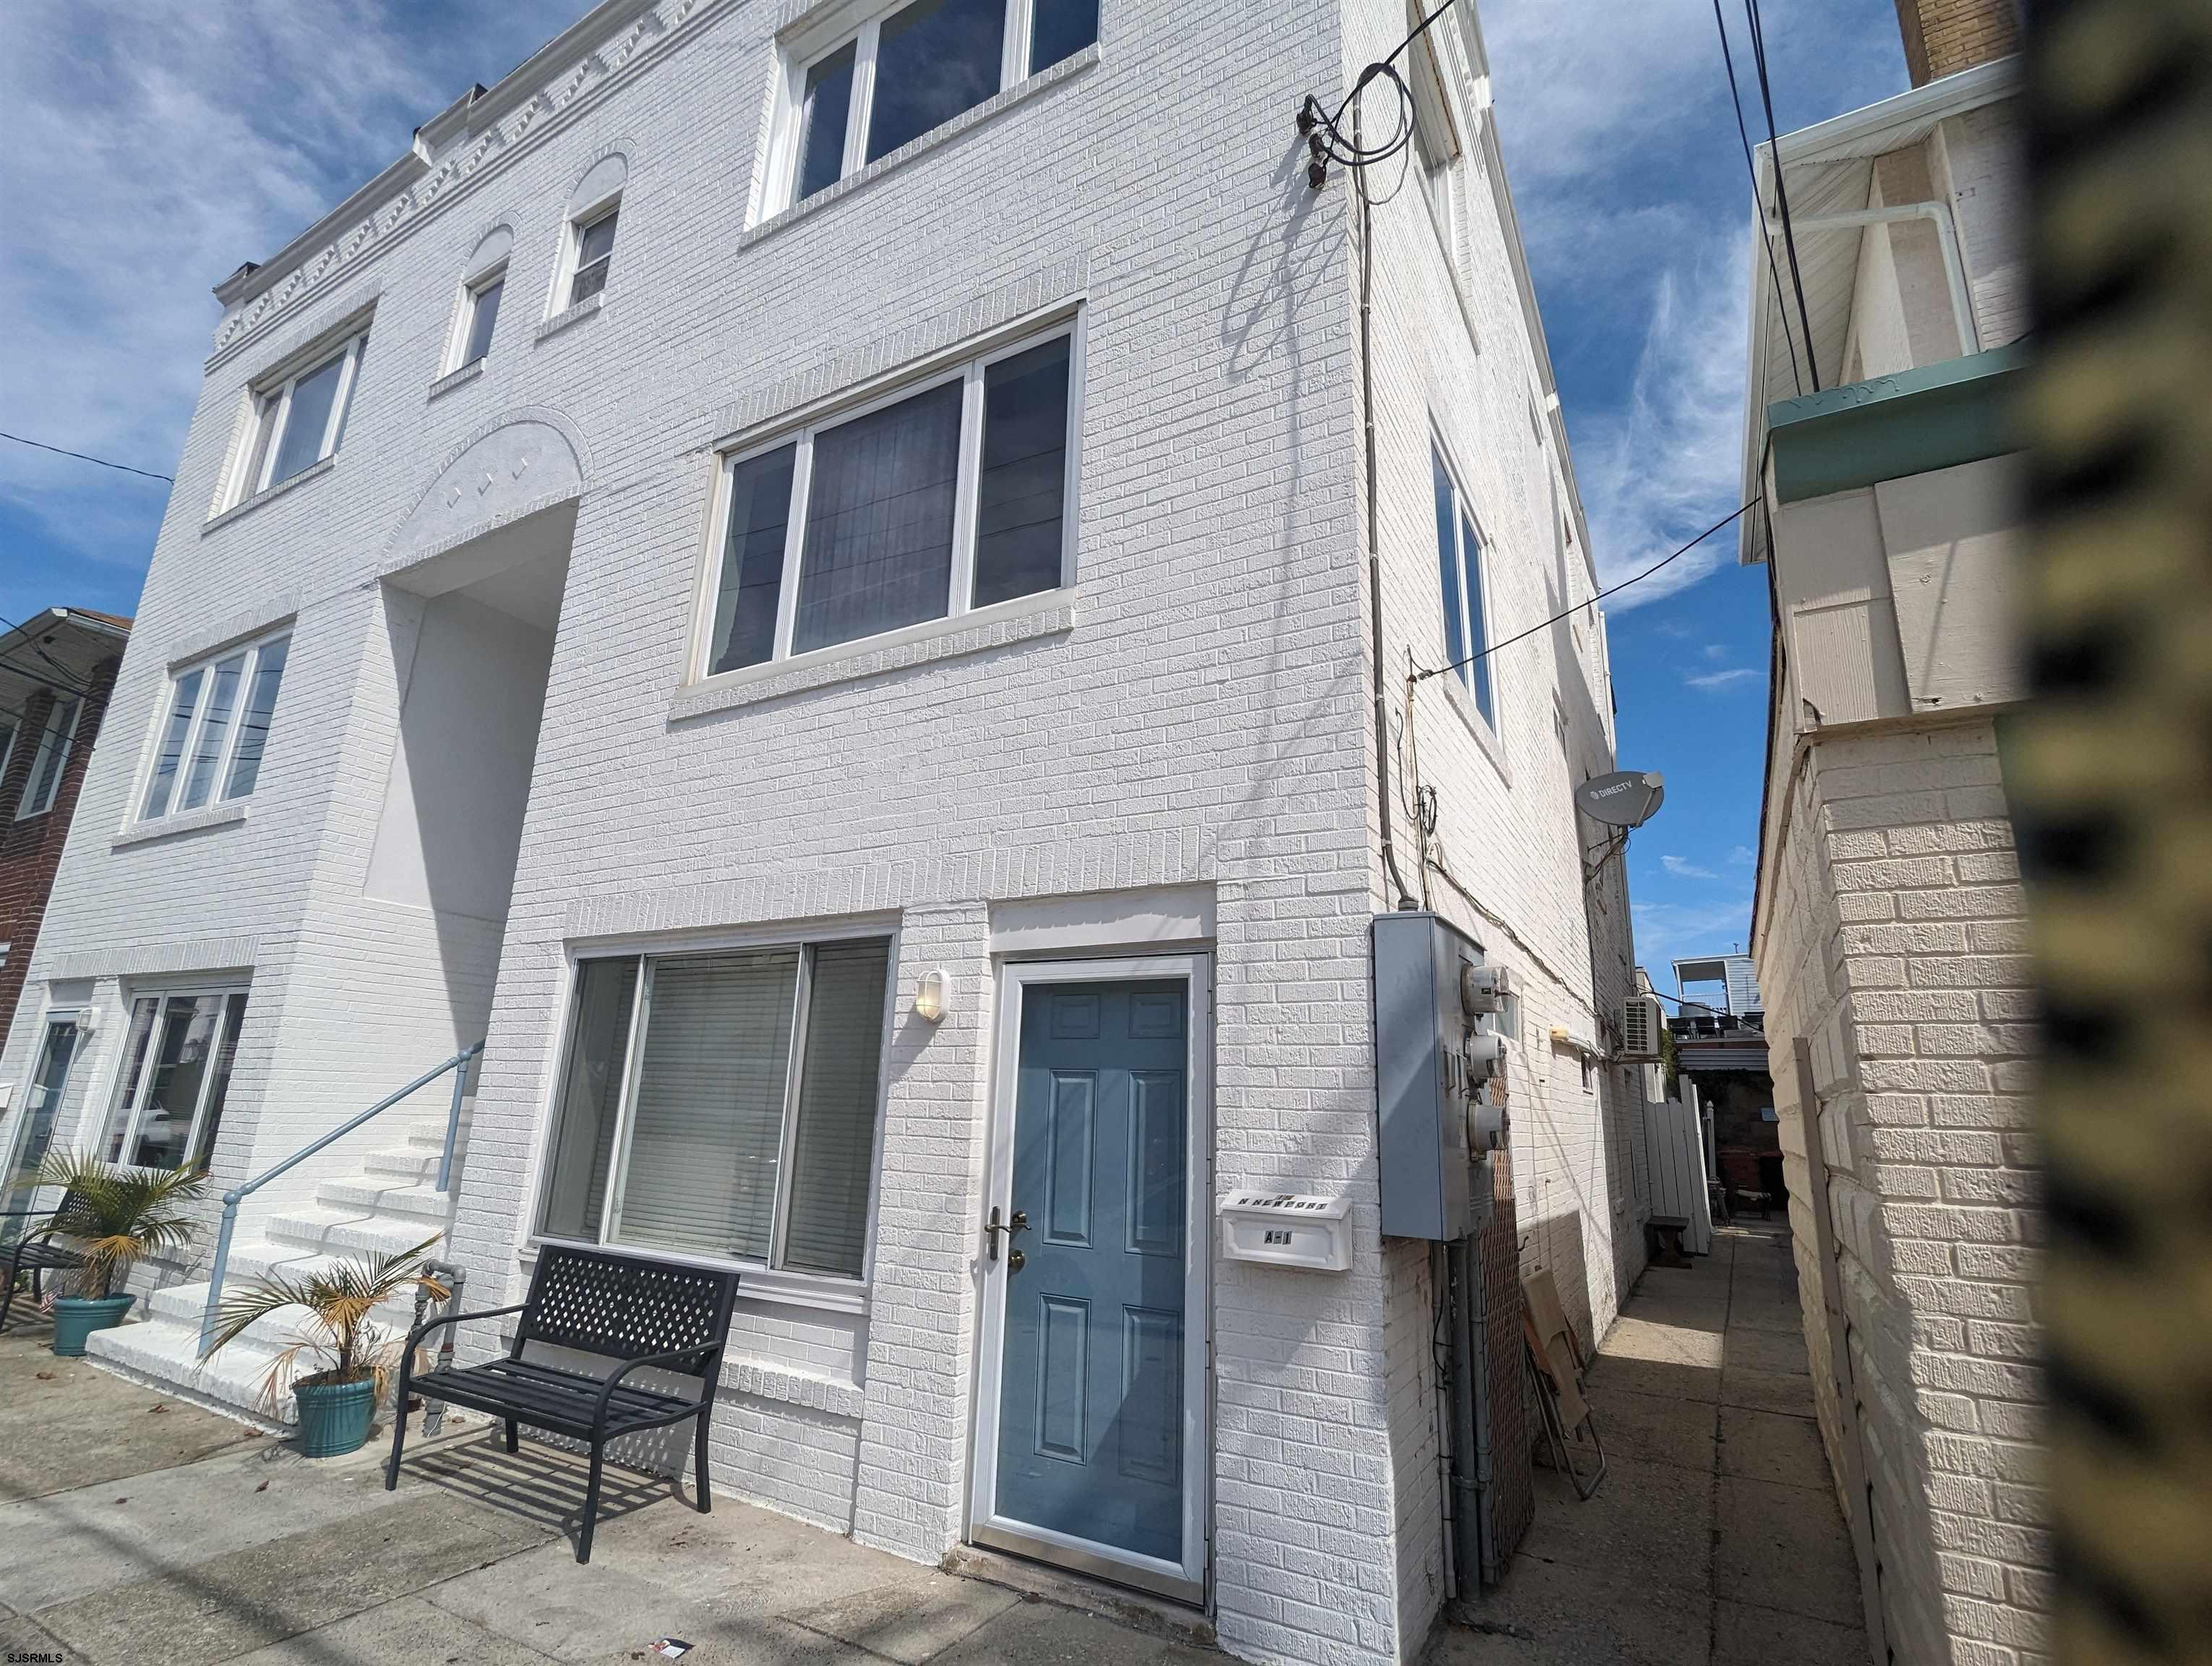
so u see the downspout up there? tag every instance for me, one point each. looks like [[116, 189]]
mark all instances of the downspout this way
[[1373, 535], [1946, 236]]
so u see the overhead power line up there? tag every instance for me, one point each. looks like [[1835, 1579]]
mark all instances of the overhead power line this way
[[1759, 209], [85, 457], [1781, 190]]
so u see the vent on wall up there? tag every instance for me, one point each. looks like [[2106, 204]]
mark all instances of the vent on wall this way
[[1641, 1022]]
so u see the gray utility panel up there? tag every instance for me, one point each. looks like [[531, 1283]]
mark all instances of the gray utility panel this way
[[1435, 1048]]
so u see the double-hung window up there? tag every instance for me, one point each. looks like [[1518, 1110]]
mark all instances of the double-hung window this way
[[1435, 138], [723, 1104], [1459, 568], [215, 728], [50, 761], [177, 1060], [595, 254], [480, 313], [860, 95], [298, 420], [945, 497]]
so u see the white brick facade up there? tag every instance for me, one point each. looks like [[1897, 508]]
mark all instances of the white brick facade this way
[[1191, 727]]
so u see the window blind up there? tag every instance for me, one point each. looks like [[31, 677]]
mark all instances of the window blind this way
[[706, 1126], [833, 1153]]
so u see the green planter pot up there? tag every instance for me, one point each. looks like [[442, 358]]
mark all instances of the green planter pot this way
[[76, 1317], [334, 1417]]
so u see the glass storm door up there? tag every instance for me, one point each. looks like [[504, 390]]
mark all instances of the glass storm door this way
[[1091, 1378], [34, 1130]]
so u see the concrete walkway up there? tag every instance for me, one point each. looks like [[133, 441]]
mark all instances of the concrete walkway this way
[[1715, 1540], [135, 1529]]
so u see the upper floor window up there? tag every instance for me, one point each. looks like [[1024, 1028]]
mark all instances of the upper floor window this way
[[1459, 568], [49, 763], [723, 1104], [936, 500], [594, 212], [216, 727], [1436, 137], [298, 420], [853, 97], [483, 282]]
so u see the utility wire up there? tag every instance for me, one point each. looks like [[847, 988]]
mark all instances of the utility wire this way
[[1781, 191], [1325, 132], [1757, 208], [84, 457], [1614, 590]]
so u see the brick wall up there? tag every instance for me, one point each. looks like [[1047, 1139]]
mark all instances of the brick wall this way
[[31, 846], [1892, 938], [1942, 37]]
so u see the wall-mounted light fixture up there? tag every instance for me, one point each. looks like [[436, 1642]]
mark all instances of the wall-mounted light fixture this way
[[934, 999]]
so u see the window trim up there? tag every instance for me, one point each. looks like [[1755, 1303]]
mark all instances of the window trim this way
[[764, 1281], [1464, 521], [464, 320], [966, 364], [580, 220], [861, 28], [9, 728], [251, 646], [269, 407], [218, 985], [51, 742]]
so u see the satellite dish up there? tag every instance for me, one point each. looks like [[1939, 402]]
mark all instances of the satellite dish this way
[[1626, 798]]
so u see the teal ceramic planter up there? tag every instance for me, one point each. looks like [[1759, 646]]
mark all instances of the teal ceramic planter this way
[[75, 1318], [334, 1417]]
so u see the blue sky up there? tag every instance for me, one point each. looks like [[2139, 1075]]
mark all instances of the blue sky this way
[[146, 149]]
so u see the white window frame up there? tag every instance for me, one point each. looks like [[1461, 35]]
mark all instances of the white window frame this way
[[269, 406], [94, 1129], [578, 221], [968, 369], [809, 47], [1436, 147], [51, 739], [464, 320], [8, 729], [764, 1281], [253, 647], [1474, 579]]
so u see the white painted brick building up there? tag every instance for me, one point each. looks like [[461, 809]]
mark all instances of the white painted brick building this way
[[501, 753], [1890, 926]]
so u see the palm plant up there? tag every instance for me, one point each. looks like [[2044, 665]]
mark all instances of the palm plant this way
[[339, 1299], [117, 1216]]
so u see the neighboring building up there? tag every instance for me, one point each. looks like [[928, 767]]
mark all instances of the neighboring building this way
[[1736, 975], [771, 512], [1720, 1046], [1888, 924], [55, 671]]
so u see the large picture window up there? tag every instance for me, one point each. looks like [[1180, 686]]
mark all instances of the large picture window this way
[[951, 496], [861, 95], [723, 1104], [176, 1072], [1459, 569], [215, 728]]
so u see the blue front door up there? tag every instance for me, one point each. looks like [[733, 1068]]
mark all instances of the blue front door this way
[[1091, 1391]]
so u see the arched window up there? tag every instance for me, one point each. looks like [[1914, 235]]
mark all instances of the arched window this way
[[588, 245], [483, 281]]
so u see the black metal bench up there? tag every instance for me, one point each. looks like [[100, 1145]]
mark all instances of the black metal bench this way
[[621, 1308], [35, 1255]]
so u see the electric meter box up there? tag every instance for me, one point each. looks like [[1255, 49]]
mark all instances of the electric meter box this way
[[1286, 1229], [1432, 1052]]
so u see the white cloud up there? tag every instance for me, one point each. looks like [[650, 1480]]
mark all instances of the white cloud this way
[[1683, 869], [1742, 856], [1717, 650], [1667, 931], [1720, 679]]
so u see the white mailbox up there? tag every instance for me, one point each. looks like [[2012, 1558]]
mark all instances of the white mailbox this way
[[1286, 1229]]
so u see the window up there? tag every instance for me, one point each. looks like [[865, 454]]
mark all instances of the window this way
[[595, 254], [483, 314], [913, 69], [1459, 567], [723, 1104], [177, 1062], [34, 1128], [300, 421], [483, 282], [1435, 139], [7, 746], [939, 500], [43, 784], [215, 728]]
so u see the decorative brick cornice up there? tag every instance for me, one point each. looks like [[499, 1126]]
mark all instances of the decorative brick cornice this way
[[530, 115]]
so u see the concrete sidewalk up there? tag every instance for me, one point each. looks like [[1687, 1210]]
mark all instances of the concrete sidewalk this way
[[135, 1529], [1715, 1540]]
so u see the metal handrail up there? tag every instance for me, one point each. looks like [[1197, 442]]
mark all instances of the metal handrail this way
[[458, 1064]]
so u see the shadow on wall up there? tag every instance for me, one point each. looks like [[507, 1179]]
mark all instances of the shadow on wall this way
[[1555, 1243]]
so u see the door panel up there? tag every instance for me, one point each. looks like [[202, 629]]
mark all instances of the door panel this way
[[1090, 1438], [34, 1129]]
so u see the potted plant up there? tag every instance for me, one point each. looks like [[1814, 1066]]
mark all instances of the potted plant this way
[[355, 1355], [115, 1217]]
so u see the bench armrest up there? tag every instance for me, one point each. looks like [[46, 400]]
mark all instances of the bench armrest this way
[[713, 1350], [429, 1325]]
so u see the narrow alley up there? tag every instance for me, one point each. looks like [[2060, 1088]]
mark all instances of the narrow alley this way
[[1715, 1540]]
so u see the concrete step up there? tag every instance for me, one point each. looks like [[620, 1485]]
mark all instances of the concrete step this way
[[319, 1230], [388, 1199], [417, 1164], [184, 1303], [165, 1355]]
